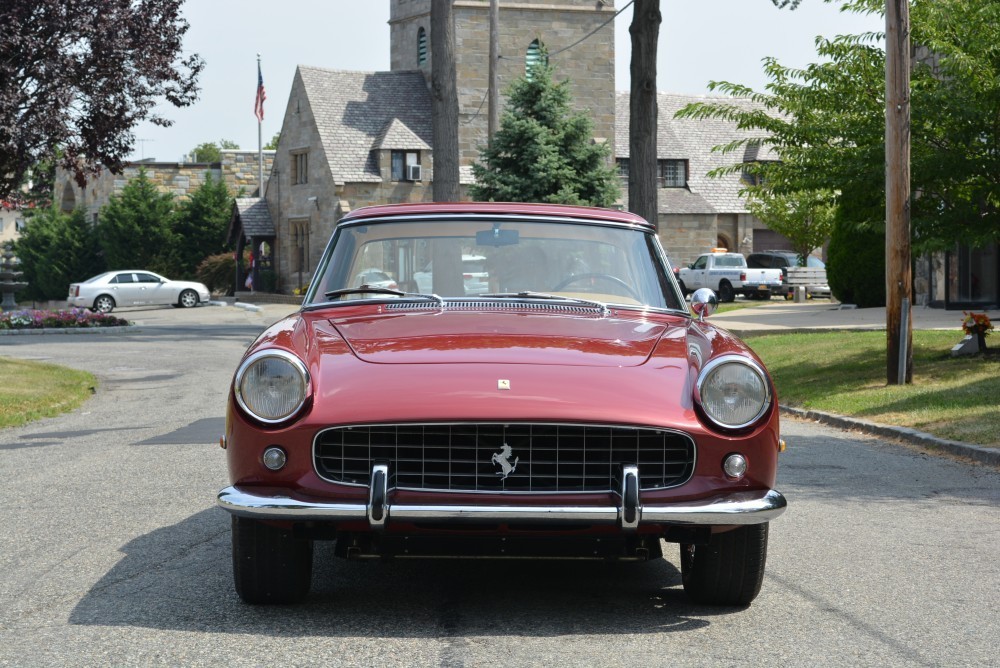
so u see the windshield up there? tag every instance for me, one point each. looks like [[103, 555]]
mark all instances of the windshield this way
[[457, 259]]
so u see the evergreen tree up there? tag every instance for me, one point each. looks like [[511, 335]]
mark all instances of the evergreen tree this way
[[544, 152], [200, 227], [57, 249], [135, 227]]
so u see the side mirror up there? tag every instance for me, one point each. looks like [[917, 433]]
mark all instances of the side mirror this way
[[703, 303]]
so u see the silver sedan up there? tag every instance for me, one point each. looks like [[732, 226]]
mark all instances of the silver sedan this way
[[132, 287]]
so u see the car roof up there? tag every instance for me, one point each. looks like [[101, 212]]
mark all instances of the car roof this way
[[498, 208]]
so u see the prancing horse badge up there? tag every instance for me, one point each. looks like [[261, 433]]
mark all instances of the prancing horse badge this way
[[503, 459]]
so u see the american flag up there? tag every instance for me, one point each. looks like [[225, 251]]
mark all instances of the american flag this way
[[258, 105]]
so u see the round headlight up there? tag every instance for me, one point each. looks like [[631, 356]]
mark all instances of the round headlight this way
[[272, 385], [733, 391]]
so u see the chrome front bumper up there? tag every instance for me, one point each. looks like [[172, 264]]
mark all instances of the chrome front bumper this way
[[737, 508]]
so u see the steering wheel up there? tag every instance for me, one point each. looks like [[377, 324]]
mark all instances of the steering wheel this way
[[608, 277]]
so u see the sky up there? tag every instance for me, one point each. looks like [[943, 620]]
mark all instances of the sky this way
[[700, 41]]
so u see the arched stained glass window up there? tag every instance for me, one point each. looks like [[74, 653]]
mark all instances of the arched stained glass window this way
[[534, 57], [421, 46]]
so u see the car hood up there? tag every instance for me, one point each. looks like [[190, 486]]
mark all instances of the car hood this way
[[455, 337]]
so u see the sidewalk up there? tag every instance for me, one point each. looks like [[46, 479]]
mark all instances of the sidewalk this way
[[789, 317]]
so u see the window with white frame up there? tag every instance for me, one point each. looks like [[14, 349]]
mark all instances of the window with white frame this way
[[401, 162]]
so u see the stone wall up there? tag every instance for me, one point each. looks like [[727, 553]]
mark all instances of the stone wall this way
[[237, 168]]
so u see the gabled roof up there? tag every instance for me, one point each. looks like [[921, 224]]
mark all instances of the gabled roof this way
[[692, 140], [399, 137], [253, 217], [356, 112]]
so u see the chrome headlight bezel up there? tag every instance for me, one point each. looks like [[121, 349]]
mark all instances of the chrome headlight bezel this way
[[713, 365], [294, 362]]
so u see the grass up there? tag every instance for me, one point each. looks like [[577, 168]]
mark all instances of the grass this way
[[845, 373], [33, 390]]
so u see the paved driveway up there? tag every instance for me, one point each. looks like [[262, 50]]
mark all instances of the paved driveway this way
[[113, 552]]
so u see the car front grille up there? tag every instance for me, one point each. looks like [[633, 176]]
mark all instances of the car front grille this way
[[475, 457]]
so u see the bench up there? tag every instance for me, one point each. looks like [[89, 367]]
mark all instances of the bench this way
[[812, 279]]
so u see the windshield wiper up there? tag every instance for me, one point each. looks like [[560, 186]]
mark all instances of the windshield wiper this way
[[371, 289], [527, 294]]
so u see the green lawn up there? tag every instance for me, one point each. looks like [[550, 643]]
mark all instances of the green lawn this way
[[845, 373], [32, 390]]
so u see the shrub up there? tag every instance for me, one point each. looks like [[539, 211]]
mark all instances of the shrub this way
[[855, 267], [218, 272]]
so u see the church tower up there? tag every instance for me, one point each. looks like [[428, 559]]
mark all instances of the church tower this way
[[524, 25]]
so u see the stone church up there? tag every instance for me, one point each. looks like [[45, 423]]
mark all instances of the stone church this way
[[350, 139]]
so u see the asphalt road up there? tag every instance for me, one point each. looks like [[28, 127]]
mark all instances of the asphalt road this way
[[112, 551]]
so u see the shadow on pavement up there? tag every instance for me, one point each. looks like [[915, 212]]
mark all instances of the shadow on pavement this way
[[179, 577]]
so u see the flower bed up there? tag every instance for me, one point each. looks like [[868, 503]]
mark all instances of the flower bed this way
[[71, 318]]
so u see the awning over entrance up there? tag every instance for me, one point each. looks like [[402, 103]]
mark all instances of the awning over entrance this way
[[251, 225]]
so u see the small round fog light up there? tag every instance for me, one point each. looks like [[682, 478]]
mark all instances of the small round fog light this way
[[274, 458], [735, 466]]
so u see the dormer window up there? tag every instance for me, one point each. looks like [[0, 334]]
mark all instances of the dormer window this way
[[421, 46], [403, 163]]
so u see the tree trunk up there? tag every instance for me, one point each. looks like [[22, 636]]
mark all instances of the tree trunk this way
[[444, 102], [645, 30]]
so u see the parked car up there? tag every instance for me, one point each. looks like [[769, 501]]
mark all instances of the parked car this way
[[779, 259], [816, 285], [134, 287], [577, 409], [728, 274]]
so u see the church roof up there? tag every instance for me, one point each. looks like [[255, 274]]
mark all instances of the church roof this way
[[356, 112], [691, 140]]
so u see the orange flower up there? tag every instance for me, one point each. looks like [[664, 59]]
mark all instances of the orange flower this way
[[976, 323]]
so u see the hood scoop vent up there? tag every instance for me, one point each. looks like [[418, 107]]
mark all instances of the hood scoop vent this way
[[494, 305]]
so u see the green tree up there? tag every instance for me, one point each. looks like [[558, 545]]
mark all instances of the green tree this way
[[199, 228], [135, 227], [826, 123], [57, 249], [212, 151], [805, 217], [273, 144], [543, 152]]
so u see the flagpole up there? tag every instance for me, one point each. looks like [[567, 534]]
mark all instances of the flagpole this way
[[260, 147]]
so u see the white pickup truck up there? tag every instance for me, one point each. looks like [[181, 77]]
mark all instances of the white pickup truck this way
[[728, 275]]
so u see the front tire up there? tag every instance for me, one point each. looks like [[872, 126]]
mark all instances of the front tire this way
[[270, 565], [729, 570], [188, 298], [726, 292], [104, 304]]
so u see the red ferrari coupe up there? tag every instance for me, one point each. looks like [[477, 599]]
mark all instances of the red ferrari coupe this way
[[574, 407]]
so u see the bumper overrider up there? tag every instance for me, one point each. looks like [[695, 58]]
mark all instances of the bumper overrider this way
[[733, 508]]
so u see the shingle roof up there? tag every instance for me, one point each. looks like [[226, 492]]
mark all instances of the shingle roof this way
[[254, 217], [355, 112], [692, 140], [397, 136]]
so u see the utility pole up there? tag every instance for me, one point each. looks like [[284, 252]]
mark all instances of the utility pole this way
[[494, 74], [898, 276], [645, 31]]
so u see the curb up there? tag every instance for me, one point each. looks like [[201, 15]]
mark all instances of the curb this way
[[247, 307], [990, 456]]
